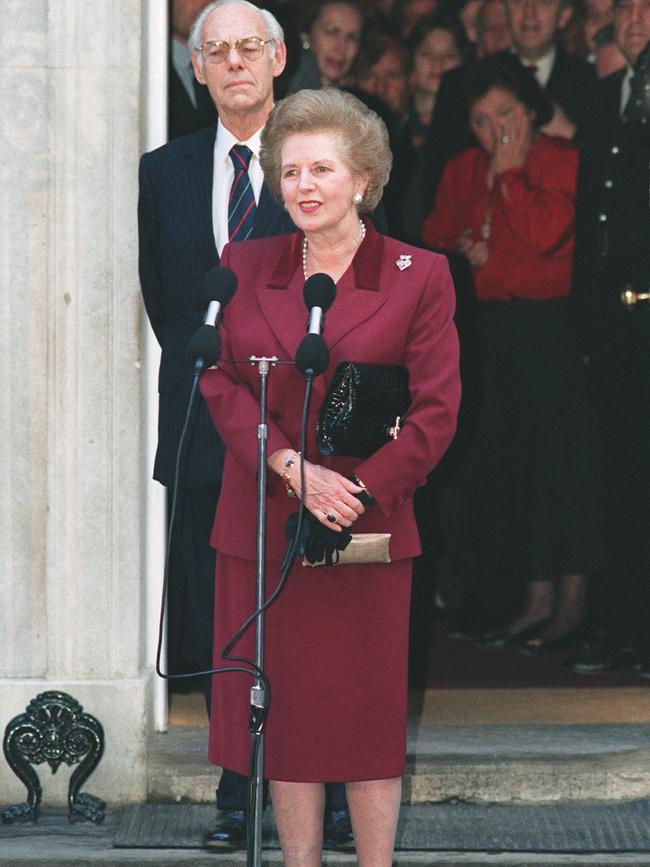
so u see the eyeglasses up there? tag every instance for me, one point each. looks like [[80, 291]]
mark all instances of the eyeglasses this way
[[249, 48]]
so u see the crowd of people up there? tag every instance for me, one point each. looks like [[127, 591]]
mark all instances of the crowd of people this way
[[548, 563], [542, 538], [518, 144]]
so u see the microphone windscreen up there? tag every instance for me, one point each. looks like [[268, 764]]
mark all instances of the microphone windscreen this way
[[319, 291], [205, 344], [312, 354], [219, 285]]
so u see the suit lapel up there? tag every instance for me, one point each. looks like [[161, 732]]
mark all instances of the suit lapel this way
[[197, 182], [611, 88], [362, 287], [277, 303]]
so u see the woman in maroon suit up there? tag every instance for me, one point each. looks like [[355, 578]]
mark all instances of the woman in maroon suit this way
[[336, 639]]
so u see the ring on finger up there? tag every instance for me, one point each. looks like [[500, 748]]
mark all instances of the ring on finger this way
[[505, 139], [331, 517]]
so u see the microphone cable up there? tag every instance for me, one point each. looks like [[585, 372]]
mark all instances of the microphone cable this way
[[252, 668]]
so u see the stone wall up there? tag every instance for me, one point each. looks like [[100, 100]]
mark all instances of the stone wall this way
[[72, 612]]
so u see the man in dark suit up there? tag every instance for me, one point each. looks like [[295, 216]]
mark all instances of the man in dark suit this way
[[189, 104], [569, 81], [612, 319], [184, 223]]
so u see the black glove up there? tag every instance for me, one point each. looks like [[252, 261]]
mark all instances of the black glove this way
[[317, 542]]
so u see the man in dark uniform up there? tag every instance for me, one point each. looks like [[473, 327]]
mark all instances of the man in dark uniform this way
[[612, 319]]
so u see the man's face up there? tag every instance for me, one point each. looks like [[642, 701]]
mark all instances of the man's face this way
[[239, 86], [387, 79], [632, 27], [494, 32], [534, 25]]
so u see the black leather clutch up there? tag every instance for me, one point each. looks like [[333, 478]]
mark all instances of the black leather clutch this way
[[363, 409]]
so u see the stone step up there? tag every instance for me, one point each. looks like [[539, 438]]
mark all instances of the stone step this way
[[54, 843], [525, 764]]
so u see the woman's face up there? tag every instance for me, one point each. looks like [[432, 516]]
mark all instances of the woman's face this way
[[334, 39], [317, 185], [499, 113], [434, 56]]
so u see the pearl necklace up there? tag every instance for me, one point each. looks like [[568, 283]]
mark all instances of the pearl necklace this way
[[305, 245]]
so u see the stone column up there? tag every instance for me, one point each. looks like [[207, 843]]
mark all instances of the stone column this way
[[72, 610]]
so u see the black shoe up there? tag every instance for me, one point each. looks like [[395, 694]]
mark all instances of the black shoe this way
[[228, 832], [512, 636], [535, 646], [338, 831], [643, 667], [602, 657]]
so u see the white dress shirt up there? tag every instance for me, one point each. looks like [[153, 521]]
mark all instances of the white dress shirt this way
[[543, 66], [626, 87]]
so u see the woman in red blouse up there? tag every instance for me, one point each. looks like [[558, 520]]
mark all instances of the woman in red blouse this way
[[523, 513]]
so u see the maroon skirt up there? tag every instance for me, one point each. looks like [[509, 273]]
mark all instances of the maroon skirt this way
[[336, 653]]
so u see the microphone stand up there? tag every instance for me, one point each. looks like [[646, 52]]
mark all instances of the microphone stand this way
[[258, 694], [315, 364]]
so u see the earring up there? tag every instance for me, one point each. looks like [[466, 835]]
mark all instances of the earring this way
[[304, 41], [357, 198]]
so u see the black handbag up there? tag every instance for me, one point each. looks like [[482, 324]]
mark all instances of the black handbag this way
[[363, 409]]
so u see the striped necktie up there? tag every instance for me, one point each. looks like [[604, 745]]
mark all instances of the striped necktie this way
[[241, 204]]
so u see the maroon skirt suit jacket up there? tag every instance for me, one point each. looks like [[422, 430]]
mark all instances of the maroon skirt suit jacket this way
[[336, 639]]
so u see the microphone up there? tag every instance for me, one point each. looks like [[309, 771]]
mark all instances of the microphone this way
[[204, 347], [312, 356], [319, 293], [218, 288]]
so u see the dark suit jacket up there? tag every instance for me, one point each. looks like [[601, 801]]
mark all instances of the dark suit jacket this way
[[183, 117], [571, 85], [612, 229], [381, 314], [177, 249]]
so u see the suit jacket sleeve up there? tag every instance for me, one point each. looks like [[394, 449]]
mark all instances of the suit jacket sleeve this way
[[540, 200], [149, 252]]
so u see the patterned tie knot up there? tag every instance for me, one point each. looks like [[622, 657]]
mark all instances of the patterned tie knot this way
[[241, 157]]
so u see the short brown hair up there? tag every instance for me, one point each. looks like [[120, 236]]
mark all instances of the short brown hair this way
[[362, 133]]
